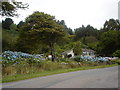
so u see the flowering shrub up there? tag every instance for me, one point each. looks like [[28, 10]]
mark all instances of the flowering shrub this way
[[10, 57], [88, 58]]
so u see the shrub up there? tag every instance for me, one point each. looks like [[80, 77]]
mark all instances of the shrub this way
[[116, 53], [10, 57], [115, 61], [78, 59]]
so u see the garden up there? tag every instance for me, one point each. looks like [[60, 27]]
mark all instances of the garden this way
[[18, 63]]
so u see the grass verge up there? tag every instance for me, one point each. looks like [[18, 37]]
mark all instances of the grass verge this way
[[46, 73]]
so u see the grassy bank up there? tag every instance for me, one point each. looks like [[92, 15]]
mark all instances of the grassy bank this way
[[46, 73]]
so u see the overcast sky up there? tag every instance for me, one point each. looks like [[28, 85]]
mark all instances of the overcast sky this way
[[75, 12]]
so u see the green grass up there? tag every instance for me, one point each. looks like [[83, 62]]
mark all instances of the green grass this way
[[46, 73]]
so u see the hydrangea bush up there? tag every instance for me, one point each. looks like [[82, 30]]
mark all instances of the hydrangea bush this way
[[88, 58], [10, 57]]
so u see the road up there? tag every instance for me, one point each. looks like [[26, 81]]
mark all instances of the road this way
[[95, 78]]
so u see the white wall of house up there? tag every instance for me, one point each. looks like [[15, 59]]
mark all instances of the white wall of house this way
[[71, 52], [68, 53], [63, 56], [89, 54]]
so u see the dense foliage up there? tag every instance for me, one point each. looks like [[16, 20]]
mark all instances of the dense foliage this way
[[7, 23], [40, 28], [117, 53], [109, 43], [111, 24], [66, 29], [87, 31], [9, 34], [42, 33]]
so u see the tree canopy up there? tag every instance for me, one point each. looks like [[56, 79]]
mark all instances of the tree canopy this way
[[85, 32], [41, 28], [7, 23], [111, 24], [42, 33], [109, 43], [66, 29], [20, 24]]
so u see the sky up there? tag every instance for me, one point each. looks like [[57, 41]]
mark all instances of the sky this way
[[75, 13]]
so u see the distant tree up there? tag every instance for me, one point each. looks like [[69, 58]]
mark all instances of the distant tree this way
[[85, 32], [70, 31], [66, 29], [21, 23], [111, 25], [10, 8], [9, 34], [7, 23], [116, 53], [89, 39], [9, 38], [62, 22], [109, 43]]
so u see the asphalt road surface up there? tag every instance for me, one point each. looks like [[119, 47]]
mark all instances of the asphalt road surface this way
[[95, 78]]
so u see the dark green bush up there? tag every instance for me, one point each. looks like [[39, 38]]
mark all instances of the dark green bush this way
[[116, 61], [78, 59]]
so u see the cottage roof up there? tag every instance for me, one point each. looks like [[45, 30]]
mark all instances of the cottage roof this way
[[88, 50], [68, 51]]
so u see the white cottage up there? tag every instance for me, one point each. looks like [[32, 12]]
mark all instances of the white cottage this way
[[88, 52], [68, 53]]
